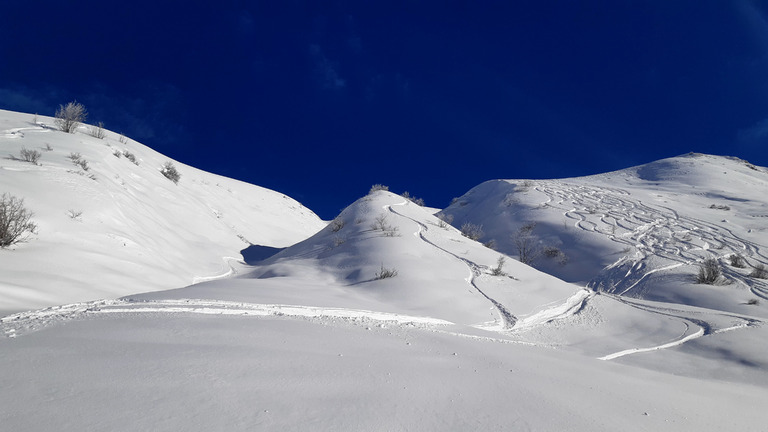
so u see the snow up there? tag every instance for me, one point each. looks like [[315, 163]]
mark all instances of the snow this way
[[150, 311], [138, 231]]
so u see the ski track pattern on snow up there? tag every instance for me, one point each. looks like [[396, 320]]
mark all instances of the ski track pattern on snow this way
[[705, 328], [507, 320], [25, 322], [649, 230]]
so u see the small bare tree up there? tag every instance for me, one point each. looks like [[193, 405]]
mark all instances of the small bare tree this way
[[526, 243], [15, 224], [70, 116]]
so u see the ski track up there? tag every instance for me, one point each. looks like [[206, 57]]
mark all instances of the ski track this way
[[507, 320], [650, 230], [25, 322], [228, 261], [705, 328]]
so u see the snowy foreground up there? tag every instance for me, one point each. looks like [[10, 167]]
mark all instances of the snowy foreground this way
[[314, 338]]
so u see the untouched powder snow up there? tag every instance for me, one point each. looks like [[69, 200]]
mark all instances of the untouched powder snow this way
[[120, 227]]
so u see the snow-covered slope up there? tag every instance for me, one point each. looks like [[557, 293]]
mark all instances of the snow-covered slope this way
[[310, 338], [641, 232], [121, 227]]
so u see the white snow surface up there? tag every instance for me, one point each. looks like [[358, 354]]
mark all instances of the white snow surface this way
[[137, 231], [310, 338]]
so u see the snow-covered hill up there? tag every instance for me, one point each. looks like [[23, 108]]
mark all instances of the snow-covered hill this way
[[314, 337], [641, 232], [119, 226], [387, 318]]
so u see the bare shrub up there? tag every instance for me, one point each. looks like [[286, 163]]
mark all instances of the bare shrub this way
[[74, 214], [15, 224], [413, 199], [445, 220], [490, 244], [498, 270], [719, 207], [131, 157], [385, 273], [709, 272], [122, 139], [378, 187], [753, 302], [339, 240], [554, 252], [48, 147], [97, 131], [526, 243], [78, 160], [472, 231], [759, 272], [117, 154], [31, 156], [737, 261], [170, 172], [70, 116], [381, 224], [337, 224]]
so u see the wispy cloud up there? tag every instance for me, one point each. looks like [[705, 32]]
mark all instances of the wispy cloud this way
[[325, 70], [757, 133], [24, 99]]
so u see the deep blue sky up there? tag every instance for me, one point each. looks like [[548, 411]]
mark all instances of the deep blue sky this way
[[319, 100]]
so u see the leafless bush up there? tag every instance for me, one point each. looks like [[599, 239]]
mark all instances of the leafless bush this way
[[31, 156], [709, 272], [117, 154], [170, 172], [97, 131], [719, 207], [498, 270], [737, 261], [490, 244], [337, 224], [759, 272], [131, 157], [381, 224], [122, 139], [339, 240], [70, 116], [472, 231], [378, 187], [78, 160], [385, 273], [48, 147], [15, 224], [753, 302], [554, 252], [413, 199], [526, 243], [445, 220], [74, 214]]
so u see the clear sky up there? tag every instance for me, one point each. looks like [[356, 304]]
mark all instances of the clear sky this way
[[319, 100]]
